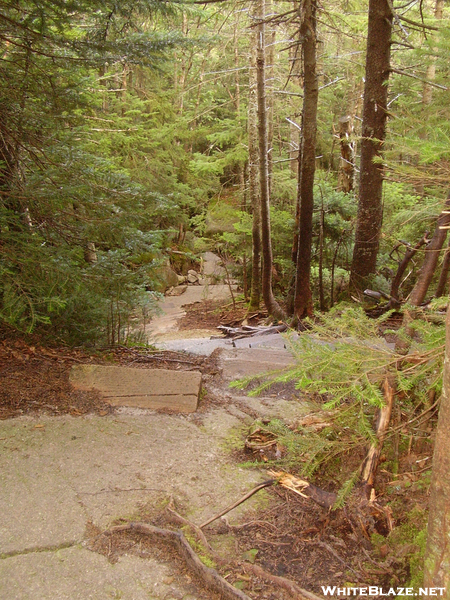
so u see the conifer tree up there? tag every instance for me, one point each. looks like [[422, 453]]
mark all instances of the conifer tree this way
[[370, 211]]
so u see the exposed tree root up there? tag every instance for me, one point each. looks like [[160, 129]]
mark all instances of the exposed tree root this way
[[292, 588], [208, 576], [195, 528]]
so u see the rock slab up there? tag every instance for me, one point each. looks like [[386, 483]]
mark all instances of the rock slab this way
[[177, 391]]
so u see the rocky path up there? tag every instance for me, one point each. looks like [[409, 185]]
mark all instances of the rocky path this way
[[63, 480]]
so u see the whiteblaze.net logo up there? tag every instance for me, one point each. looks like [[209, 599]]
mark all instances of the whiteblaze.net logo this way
[[374, 590]]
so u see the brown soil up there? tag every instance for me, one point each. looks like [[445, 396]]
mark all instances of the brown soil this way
[[210, 314], [35, 378]]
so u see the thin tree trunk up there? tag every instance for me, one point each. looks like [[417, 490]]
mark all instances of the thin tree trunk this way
[[272, 305], [253, 173], [270, 74], [395, 286], [432, 253], [321, 240], [347, 163], [303, 297], [437, 561], [370, 208]]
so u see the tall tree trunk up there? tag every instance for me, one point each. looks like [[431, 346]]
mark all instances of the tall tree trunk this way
[[432, 253], [270, 75], [272, 305], [437, 561], [253, 173], [370, 208], [303, 296]]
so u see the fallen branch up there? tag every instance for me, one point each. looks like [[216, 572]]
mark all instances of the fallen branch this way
[[290, 482], [249, 494], [208, 576], [250, 331], [371, 461], [292, 588]]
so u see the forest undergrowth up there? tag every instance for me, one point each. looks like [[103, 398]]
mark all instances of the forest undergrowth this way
[[375, 533]]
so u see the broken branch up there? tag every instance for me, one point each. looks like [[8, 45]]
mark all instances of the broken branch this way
[[249, 494]]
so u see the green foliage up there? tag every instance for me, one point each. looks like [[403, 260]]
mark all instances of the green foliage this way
[[64, 182], [340, 365]]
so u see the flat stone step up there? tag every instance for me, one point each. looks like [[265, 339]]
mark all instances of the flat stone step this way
[[237, 363], [177, 391]]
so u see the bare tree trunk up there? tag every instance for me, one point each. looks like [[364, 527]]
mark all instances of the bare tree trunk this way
[[253, 173], [370, 208], [347, 162], [270, 74], [272, 305], [437, 561], [303, 297], [432, 253], [395, 286], [241, 167], [322, 305]]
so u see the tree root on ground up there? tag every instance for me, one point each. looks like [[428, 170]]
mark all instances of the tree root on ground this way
[[210, 578], [292, 588]]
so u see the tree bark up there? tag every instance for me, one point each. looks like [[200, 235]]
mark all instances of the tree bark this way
[[303, 297], [432, 253], [253, 174], [272, 305], [395, 286], [370, 208], [437, 561]]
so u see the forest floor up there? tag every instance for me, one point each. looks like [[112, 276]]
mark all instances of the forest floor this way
[[71, 467]]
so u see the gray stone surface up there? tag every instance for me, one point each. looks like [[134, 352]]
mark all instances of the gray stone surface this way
[[204, 346], [57, 473], [78, 574], [237, 363], [143, 388]]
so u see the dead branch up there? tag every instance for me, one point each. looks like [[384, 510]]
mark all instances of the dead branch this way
[[208, 576], [371, 461], [290, 482], [249, 494], [305, 489], [292, 588], [250, 331]]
